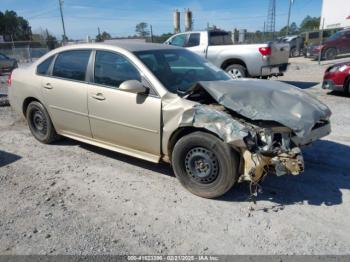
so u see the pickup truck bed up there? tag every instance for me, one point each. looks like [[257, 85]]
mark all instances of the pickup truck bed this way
[[241, 60]]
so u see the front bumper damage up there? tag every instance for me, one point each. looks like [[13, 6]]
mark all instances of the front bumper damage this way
[[258, 158], [256, 166], [265, 121]]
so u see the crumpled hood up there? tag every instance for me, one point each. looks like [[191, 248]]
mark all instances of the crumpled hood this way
[[270, 101]]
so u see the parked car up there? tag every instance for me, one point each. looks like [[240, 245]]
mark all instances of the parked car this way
[[337, 78], [159, 102], [241, 60], [296, 44], [7, 64], [337, 44]]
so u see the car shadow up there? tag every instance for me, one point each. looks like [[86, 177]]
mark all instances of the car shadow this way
[[337, 93], [326, 174], [162, 168], [7, 158], [301, 85], [4, 100]]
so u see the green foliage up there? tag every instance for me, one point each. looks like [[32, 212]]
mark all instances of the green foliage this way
[[51, 41], [14, 27], [103, 36], [310, 23], [293, 30], [142, 29], [160, 38]]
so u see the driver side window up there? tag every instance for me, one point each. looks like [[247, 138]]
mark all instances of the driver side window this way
[[112, 69], [179, 40]]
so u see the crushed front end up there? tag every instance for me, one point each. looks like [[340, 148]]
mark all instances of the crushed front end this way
[[266, 121]]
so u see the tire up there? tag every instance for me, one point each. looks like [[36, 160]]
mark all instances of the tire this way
[[236, 71], [330, 54], [40, 124], [219, 164], [347, 87], [294, 52]]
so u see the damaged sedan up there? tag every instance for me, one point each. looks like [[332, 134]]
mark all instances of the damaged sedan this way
[[164, 103]]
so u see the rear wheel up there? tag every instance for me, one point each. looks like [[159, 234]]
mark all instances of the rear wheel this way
[[294, 52], [330, 54], [205, 165], [236, 71], [40, 124]]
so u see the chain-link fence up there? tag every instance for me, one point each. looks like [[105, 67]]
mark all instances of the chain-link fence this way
[[23, 51], [24, 54]]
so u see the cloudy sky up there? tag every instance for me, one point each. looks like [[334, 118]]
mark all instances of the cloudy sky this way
[[82, 17]]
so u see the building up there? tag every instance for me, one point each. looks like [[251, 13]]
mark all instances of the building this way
[[335, 14]]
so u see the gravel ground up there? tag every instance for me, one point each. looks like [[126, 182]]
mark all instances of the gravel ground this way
[[73, 198]]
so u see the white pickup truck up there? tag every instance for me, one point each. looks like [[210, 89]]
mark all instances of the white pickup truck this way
[[240, 60]]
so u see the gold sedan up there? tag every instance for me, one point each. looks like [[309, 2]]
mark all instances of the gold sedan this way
[[163, 103]]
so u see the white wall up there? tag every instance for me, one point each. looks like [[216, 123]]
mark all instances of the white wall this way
[[335, 13]]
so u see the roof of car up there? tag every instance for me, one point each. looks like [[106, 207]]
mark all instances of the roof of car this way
[[131, 46]]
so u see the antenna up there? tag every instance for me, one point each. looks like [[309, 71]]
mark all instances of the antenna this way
[[271, 18]]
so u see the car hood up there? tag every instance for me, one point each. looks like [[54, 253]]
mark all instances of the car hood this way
[[269, 101]]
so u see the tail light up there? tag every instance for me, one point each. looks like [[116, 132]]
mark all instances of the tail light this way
[[9, 79], [265, 50]]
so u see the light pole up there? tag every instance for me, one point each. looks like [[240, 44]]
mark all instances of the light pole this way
[[64, 29], [289, 10]]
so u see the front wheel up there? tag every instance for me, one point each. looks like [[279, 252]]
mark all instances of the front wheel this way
[[205, 165], [40, 124], [236, 71]]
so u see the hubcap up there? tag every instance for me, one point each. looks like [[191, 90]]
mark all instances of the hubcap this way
[[39, 122], [235, 73], [202, 165]]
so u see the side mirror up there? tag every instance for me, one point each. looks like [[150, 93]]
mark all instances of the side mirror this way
[[133, 86]]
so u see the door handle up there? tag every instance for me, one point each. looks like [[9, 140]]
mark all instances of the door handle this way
[[48, 86], [99, 96]]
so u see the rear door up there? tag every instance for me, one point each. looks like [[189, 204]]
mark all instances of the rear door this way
[[345, 42], [127, 120], [65, 93], [196, 44]]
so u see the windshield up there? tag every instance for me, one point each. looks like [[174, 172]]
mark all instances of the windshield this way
[[179, 70], [334, 36]]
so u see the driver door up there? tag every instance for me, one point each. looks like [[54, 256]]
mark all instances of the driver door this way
[[125, 120]]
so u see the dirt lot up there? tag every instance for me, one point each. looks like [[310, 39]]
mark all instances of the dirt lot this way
[[72, 198]]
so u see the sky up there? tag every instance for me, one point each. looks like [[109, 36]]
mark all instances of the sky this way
[[83, 17]]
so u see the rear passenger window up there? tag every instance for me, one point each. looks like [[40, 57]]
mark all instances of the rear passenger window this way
[[43, 68], [193, 40], [112, 69], [72, 64]]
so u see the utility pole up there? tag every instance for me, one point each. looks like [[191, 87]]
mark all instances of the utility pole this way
[[151, 34], [289, 10], [64, 29]]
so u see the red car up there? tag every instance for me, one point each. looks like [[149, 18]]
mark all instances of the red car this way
[[337, 78]]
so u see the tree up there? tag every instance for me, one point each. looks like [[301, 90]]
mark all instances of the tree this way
[[51, 41], [293, 30], [14, 27], [142, 29], [310, 23], [103, 36]]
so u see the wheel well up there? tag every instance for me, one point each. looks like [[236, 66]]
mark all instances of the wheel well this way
[[26, 102], [181, 132], [233, 61]]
